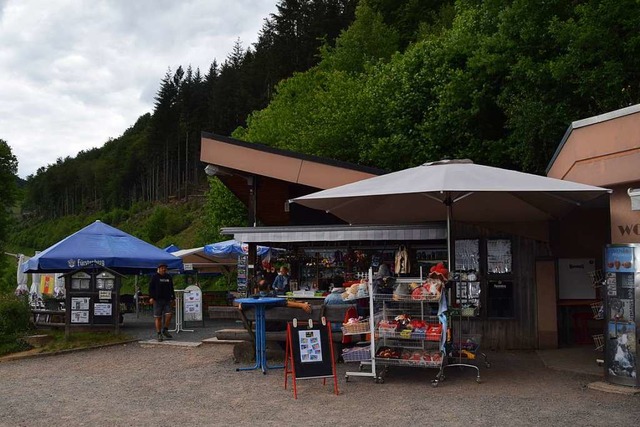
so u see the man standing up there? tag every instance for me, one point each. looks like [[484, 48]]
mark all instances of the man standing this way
[[161, 294]]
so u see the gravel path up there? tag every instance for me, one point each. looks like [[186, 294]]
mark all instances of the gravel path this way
[[132, 385]]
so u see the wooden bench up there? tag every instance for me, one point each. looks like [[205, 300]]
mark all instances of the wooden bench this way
[[47, 317], [223, 312], [333, 313]]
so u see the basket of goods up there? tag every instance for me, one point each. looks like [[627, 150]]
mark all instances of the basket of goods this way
[[468, 343], [434, 332], [356, 326], [356, 354], [419, 333], [403, 321], [421, 357], [387, 328], [388, 353], [436, 357]]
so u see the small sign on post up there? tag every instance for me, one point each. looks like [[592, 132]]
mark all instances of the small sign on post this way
[[192, 304]]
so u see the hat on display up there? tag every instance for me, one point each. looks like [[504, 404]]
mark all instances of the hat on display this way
[[383, 271], [402, 291], [439, 271]]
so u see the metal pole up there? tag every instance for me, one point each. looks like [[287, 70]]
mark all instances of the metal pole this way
[[448, 202], [137, 296]]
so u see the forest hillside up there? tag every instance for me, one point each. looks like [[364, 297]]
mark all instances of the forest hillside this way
[[382, 83]]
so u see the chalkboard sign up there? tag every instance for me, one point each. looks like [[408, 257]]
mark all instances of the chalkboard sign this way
[[309, 353], [312, 355]]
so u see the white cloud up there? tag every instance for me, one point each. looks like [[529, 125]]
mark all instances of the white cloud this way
[[74, 73]]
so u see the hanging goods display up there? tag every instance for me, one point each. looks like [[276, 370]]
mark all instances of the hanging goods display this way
[[402, 265]]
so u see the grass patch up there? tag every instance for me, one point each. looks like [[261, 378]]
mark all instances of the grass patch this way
[[12, 345], [78, 340]]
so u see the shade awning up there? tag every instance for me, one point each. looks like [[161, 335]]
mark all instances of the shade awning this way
[[104, 245], [337, 233]]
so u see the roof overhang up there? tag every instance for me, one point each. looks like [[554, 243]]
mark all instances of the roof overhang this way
[[602, 150], [338, 233], [258, 159]]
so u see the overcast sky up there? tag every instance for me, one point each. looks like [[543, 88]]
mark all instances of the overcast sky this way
[[74, 73]]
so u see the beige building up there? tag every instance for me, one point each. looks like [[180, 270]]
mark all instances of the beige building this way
[[605, 151]]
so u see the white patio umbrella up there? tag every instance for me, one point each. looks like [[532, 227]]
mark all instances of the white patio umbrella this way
[[452, 189], [21, 277], [58, 287]]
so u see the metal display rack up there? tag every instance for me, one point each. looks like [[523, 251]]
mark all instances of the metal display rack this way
[[392, 345], [361, 354]]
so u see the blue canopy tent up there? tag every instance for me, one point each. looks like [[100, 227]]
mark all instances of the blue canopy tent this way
[[233, 247], [171, 248], [104, 245]]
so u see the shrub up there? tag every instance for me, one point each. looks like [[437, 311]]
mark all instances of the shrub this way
[[14, 316]]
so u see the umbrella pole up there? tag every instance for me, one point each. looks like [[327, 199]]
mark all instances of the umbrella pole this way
[[448, 203], [137, 296]]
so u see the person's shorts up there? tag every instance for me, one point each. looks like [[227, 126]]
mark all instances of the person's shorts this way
[[161, 307]]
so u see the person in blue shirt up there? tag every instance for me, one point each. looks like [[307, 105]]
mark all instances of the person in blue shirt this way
[[281, 283], [335, 297]]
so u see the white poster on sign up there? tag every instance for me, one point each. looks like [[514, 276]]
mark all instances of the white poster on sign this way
[[80, 303], [574, 281], [102, 309], [310, 346], [79, 316]]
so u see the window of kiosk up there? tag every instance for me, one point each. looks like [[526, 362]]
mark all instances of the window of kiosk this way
[[500, 300], [81, 281], [499, 259], [105, 281]]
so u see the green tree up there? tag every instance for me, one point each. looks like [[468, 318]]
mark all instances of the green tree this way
[[367, 41], [316, 112], [222, 209], [8, 189], [410, 17]]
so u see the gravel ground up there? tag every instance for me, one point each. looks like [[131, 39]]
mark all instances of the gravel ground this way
[[134, 385]]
